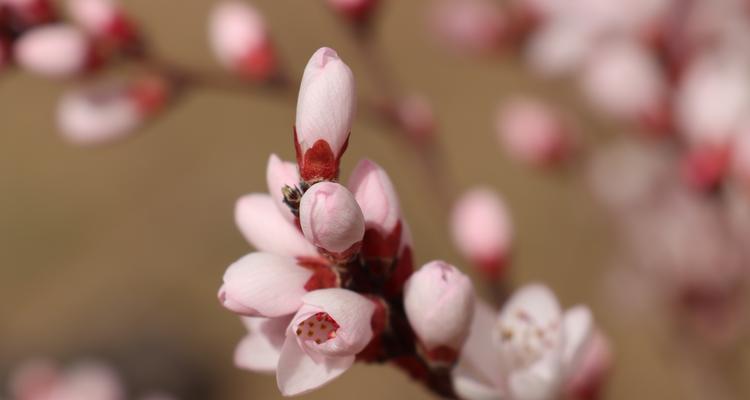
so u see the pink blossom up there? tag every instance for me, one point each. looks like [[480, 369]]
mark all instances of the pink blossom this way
[[560, 47], [482, 230], [439, 303], [240, 40], [331, 218], [325, 109], [525, 353], [264, 227], [472, 26], [260, 350], [103, 19], [712, 99], [325, 335], [281, 173], [56, 51], [533, 132], [624, 80], [108, 111], [42, 380], [264, 285], [376, 196]]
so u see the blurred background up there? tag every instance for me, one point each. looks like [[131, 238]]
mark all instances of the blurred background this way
[[117, 252]]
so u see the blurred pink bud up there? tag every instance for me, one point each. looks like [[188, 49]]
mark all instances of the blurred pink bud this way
[[105, 112], [267, 230], [33, 379], [587, 378], [533, 132], [483, 231], [55, 51], [325, 109], [415, 116], [331, 219], [713, 99], [264, 285], [260, 350], [624, 80], [322, 342], [281, 173], [103, 19], [376, 196], [240, 40], [89, 380], [355, 10], [469, 26], [559, 47], [439, 303]]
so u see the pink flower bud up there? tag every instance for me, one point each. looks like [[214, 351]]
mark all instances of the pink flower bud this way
[[712, 100], [325, 109], [279, 174], [624, 80], [439, 303], [355, 10], [109, 111], [470, 26], [533, 132], [56, 51], [326, 334], [240, 40], [482, 230], [374, 192], [103, 19], [331, 219]]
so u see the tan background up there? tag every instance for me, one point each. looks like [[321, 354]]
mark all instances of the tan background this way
[[119, 251]]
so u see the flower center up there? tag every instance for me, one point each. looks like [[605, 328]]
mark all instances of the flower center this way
[[318, 328], [523, 340]]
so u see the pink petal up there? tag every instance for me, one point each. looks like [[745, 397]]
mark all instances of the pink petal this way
[[541, 381], [263, 284], [55, 51], [259, 351], [281, 173], [331, 218], [267, 230], [536, 300], [479, 368], [578, 327], [376, 196], [298, 373]]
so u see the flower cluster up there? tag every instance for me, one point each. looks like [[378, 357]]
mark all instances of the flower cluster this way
[[332, 280]]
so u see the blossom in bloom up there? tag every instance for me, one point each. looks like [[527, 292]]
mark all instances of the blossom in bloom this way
[[331, 219], [527, 352], [534, 132], [439, 303], [325, 109], [470, 26], [56, 51], [105, 20], [240, 40], [325, 335], [482, 230], [107, 111], [355, 10]]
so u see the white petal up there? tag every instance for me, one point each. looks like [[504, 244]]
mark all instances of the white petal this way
[[352, 311], [298, 373], [578, 326], [259, 351], [479, 362], [541, 381]]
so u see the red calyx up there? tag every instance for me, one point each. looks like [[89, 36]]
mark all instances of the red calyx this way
[[259, 65], [318, 163], [704, 168], [323, 275]]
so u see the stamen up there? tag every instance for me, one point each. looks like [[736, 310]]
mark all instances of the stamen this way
[[318, 328]]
